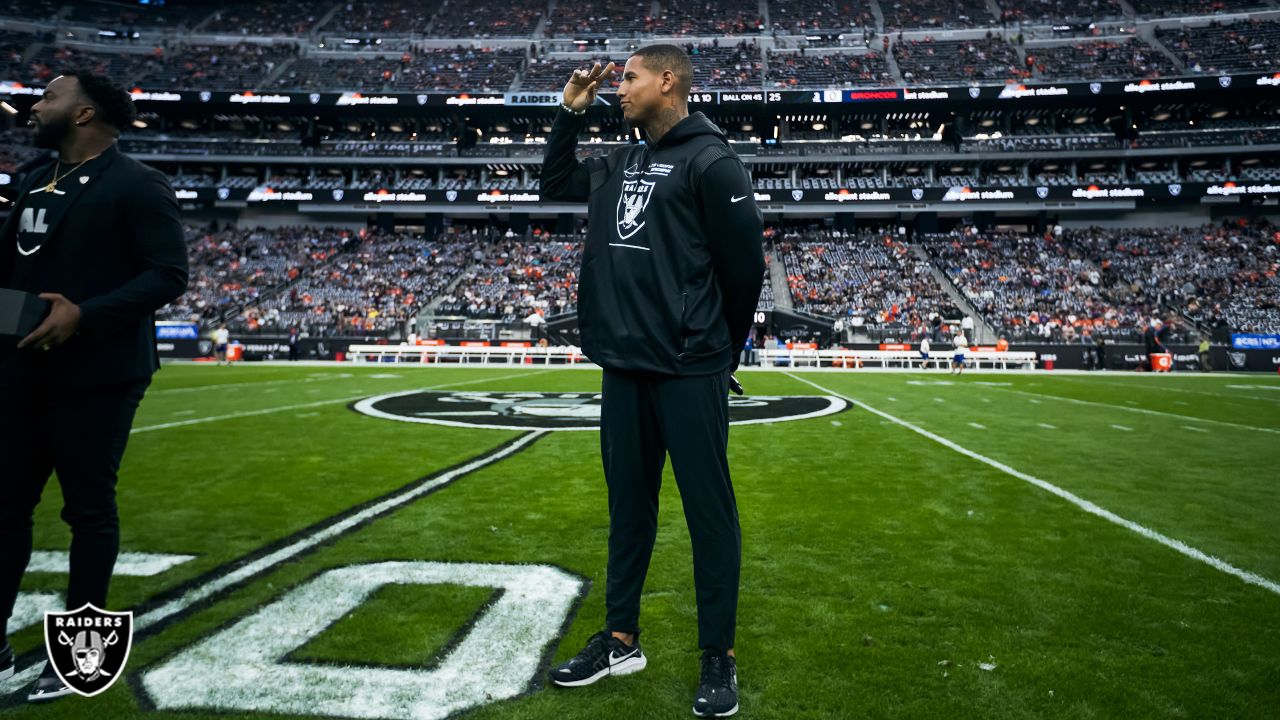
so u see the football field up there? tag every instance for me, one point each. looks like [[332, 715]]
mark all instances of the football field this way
[[423, 542]]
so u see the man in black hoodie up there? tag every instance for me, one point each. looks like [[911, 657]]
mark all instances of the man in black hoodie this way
[[670, 276]]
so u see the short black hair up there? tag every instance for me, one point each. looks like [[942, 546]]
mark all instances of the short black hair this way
[[114, 105], [660, 58]]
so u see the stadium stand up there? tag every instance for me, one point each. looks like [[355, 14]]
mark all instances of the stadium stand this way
[[957, 61], [939, 14], [1097, 60], [1243, 46], [800, 70]]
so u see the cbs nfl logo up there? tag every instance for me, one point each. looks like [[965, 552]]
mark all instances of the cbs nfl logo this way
[[1042, 192]]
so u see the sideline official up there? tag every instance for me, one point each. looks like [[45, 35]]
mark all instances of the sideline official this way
[[670, 277], [98, 235]]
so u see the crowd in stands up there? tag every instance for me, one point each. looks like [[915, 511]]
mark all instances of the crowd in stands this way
[[1242, 46], [513, 277], [1045, 12], [609, 18], [1098, 60], [372, 17], [460, 68], [800, 17], [228, 67], [707, 17], [1223, 274], [866, 275], [980, 60], [231, 269], [469, 19], [725, 67], [1158, 8], [265, 18], [909, 14], [549, 74], [800, 70]]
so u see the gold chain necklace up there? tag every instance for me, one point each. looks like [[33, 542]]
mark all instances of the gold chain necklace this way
[[53, 184]]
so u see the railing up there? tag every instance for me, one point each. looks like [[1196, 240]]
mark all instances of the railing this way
[[853, 359], [512, 354]]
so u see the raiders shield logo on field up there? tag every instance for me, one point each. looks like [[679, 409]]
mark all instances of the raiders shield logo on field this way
[[1225, 81], [564, 410], [1042, 192], [797, 195], [631, 204], [450, 195], [1095, 88], [337, 195], [205, 96], [1175, 189], [88, 647], [917, 193]]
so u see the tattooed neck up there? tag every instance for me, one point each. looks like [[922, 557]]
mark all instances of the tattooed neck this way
[[664, 121]]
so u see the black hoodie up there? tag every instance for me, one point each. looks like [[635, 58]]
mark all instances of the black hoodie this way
[[674, 257]]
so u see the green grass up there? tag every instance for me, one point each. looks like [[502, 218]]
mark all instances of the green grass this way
[[879, 567]]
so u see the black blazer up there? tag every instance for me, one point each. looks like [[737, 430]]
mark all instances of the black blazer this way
[[117, 251]]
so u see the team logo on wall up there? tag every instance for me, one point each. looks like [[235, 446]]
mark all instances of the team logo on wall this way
[[917, 193], [975, 92], [422, 99], [564, 411], [337, 195], [797, 195], [1095, 88], [205, 96], [1175, 189], [88, 647], [1042, 192], [314, 98], [1238, 360], [224, 193], [450, 195], [1225, 81]]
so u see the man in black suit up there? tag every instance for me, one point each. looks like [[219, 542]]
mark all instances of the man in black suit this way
[[98, 235]]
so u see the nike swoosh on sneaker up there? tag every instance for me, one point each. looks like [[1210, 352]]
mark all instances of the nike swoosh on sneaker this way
[[615, 659], [737, 199]]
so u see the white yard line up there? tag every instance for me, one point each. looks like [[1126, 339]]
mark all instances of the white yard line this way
[[1144, 411], [977, 426], [1123, 428], [1047, 426], [301, 406], [1166, 388], [1089, 507]]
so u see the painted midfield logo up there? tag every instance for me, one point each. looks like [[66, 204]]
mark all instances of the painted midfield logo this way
[[563, 411], [88, 647]]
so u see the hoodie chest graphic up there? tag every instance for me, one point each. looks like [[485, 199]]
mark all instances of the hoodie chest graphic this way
[[637, 191]]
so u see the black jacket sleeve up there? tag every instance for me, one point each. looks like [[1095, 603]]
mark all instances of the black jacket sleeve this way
[[735, 236], [156, 239], [564, 177]]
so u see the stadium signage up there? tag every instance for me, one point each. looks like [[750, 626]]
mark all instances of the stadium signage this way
[[735, 97], [269, 195], [926, 95], [964, 194], [496, 196], [186, 194], [386, 196], [249, 98], [867, 196], [1021, 91], [1093, 192], [1231, 188], [1148, 86], [536, 99], [1269, 80], [355, 98], [139, 95], [1252, 341], [563, 411], [467, 99]]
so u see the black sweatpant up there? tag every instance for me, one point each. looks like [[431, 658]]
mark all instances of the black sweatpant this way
[[642, 419], [81, 433]]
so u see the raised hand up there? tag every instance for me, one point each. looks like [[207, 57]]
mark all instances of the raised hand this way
[[580, 92]]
